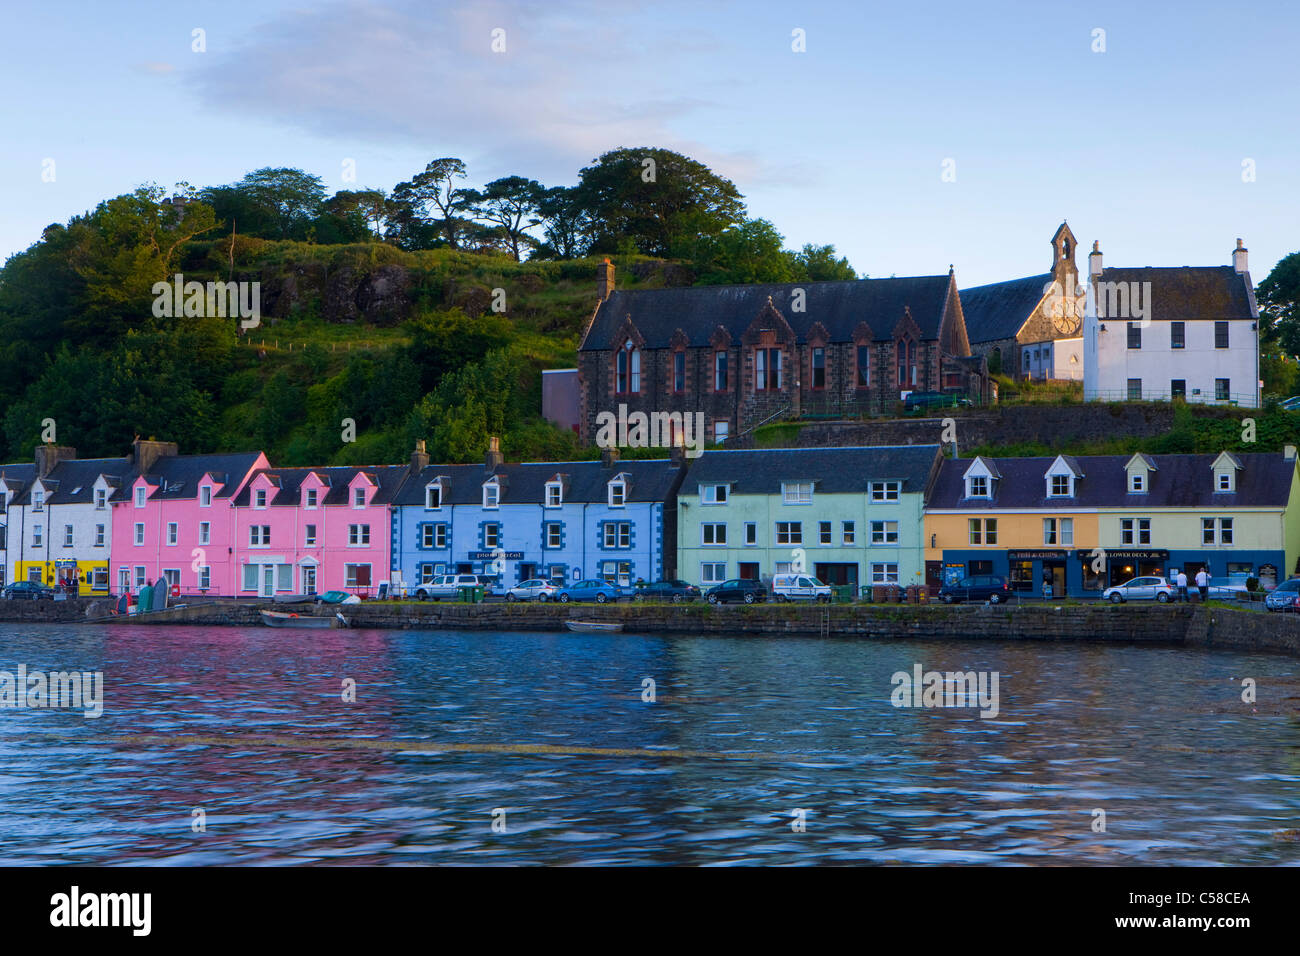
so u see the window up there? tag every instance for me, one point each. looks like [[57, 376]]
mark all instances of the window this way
[[789, 532], [205, 577], [797, 492], [492, 536], [358, 497], [491, 495], [101, 499], [864, 366], [1178, 388], [172, 533], [123, 580], [1058, 531], [713, 572], [819, 368], [1061, 486], [720, 431], [309, 536], [627, 370], [1207, 531], [259, 498], [357, 575], [554, 494], [1134, 335], [618, 534], [205, 532], [990, 530], [1137, 483], [139, 577], [310, 497], [1177, 335], [884, 490], [1220, 335], [617, 494], [554, 535], [259, 535], [205, 496], [906, 350], [1224, 481], [426, 536], [1225, 526], [248, 580], [884, 574], [440, 537], [679, 371], [140, 493], [139, 533], [67, 535], [825, 536], [982, 530], [713, 494], [711, 535], [850, 533], [1135, 531], [1221, 393], [885, 532], [38, 535], [99, 535], [751, 533], [433, 497], [767, 370], [978, 486], [719, 371], [1135, 390]]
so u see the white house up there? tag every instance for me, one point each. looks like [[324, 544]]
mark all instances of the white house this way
[[14, 479], [1157, 334]]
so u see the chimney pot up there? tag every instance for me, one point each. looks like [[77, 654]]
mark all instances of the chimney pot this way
[[608, 457], [493, 459], [1240, 261], [1094, 259], [605, 280]]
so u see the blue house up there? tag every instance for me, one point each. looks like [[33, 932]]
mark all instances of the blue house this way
[[562, 521]]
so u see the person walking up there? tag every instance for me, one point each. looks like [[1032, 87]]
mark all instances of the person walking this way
[[1182, 587], [1203, 584]]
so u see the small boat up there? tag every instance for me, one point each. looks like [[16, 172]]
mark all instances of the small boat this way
[[294, 598], [594, 627], [281, 619]]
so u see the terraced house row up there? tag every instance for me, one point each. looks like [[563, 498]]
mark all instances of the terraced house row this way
[[234, 525]]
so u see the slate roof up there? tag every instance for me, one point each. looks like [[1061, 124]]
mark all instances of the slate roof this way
[[1189, 292], [337, 479], [997, 311], [832, 470], [1180, 481], [648, 480], [18, 476], [73, 479], [182, 474], [838, 305]]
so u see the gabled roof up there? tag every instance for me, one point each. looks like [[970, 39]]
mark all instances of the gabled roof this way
[[999, 310], [1182, 481], [1189, 292], [839, 306], [1071, 464], [1145, 459], [18, 476], [77, 473], [832, 470], [981, 463], [387, 478], [649, 480], [177, 477]]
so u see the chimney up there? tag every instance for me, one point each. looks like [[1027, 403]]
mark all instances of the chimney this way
[[419, 458], [1239, 259], [1288, 453], [493, 459], [677, 455], [1094, 259], [47, 456], [604, 279], [145, 453], [608, 457]]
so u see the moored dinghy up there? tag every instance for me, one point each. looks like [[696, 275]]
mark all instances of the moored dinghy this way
[[594, 627], [283, 619]]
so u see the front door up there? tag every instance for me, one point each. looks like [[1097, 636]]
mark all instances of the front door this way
[[749, 570], [527, 570], [268, 580], [1054, 571], [309, 580]]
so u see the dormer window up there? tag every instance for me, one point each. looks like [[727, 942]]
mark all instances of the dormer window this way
[[259, 498], [491, 495], [359, 497], [977, 486], [1225, 473], [205, 496], [1137, 483], [1062, 486], [884, 490], [101, 499], [140, 493], [713, 494], [796, 492], [554, 494], [1224, 481], [38, 501], [310, 497], [617, 494], [433, 497]]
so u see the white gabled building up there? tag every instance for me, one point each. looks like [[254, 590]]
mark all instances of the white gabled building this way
[[1159, 334], [14, 480]]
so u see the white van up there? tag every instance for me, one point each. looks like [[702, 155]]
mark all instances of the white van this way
[[799, 587]]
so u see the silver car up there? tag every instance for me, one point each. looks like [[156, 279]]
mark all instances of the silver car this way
[[1140, 589], [1284, 597], [533, 590]]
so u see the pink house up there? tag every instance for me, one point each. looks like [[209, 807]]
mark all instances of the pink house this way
[[172, 519], [311, 530]]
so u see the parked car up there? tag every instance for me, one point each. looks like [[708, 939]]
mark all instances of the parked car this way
[[28, 591], [590, 590], [978, 587], [446, 586], [338, 597], [675, 591], [534, 589], [799, 587], [1141, 589], [1284, 597], [917, 401], [739, 589]]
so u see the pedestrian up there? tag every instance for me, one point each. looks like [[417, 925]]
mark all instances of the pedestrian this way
[[1203, 584], [1182, 586], [1047, 586]]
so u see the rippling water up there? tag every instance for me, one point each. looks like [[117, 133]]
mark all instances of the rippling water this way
[[249, 726]]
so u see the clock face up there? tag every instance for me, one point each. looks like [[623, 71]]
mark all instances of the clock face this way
[[1065, 324]]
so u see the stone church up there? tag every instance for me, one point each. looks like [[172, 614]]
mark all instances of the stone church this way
[[745, 354], [1031, 328]]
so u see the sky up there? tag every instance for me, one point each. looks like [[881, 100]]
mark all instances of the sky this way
[[911, 136]]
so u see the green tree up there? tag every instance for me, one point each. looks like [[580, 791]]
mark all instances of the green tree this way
[[750, 252], [432, 198], [1279, 305], [820, 264], [510, 206]]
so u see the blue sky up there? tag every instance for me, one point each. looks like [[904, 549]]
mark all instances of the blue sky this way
[[1141, 146]]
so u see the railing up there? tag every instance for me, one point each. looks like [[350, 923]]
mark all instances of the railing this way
[[1247, 399]]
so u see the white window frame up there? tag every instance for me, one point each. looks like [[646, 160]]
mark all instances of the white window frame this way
[[713, 534], [618, 494], [491, 496], [884, 491], [554, 494], [885, 532], [713, 494], [713, 572], [139, 533], [205, 532], [173, 533], [205, 496], [794, 493]]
